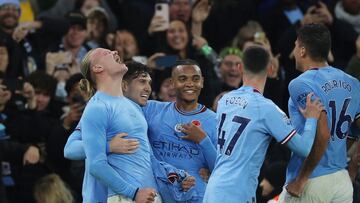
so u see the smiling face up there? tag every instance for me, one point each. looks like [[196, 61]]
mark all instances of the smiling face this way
[[230, 70], [75, 37], [9, 16], [138, 89], [177, 36], [188, 82]]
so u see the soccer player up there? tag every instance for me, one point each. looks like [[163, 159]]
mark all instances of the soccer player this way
[[107, 113], [247, 121], [183, 133], [136, 86], [340, 94]]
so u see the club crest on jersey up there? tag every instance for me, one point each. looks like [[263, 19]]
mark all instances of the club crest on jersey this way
[[178, 128]]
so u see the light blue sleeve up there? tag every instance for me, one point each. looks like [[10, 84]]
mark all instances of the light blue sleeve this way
[[94, 124], [207, 146], [301, 144], [280, 128], [74, 148]]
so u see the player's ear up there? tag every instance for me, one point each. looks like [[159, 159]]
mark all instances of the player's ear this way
[[241, 68], [270, 69], [302, 51], [125, 86]]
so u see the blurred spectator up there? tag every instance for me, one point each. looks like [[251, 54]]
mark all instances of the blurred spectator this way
[[97, 28], [349, 11], [280, 16], [14, 152], [62, 7], [246, 33], [70, 171], [353, 68], [225, 19], [4, 58], [125, 44], [51, 189], [21, 59], [180, 10]]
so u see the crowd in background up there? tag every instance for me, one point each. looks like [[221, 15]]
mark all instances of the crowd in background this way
[[43, 42]]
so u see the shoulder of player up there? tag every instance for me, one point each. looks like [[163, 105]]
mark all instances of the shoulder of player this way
[[156, 106]]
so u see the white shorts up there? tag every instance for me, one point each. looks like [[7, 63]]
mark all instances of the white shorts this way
[[332, 188], [122, 199]]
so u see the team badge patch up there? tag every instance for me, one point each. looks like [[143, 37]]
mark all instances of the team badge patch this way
[[178, 128]]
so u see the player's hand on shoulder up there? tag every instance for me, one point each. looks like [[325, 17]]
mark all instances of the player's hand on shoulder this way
[[145, 195], [188, 183], [121, 145], [313, 107], [193, 132]]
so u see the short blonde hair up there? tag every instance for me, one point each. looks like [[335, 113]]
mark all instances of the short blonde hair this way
[[51, 189]]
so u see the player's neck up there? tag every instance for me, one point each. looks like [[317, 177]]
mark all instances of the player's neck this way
[[255, 83], [186, 106], [111, 87], [313, 64]]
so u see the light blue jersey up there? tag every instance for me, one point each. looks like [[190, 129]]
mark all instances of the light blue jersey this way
[[164, 121], [247, 121], [103, 118], [340, 94]]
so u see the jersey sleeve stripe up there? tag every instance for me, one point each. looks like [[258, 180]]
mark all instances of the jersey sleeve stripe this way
[[357, 116], [288, 137]]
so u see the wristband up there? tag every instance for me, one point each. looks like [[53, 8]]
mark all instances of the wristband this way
[[206, 50]]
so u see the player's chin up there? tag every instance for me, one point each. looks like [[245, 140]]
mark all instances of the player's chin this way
[[143, 101]]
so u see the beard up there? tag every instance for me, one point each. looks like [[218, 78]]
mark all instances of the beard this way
[[7, 25]]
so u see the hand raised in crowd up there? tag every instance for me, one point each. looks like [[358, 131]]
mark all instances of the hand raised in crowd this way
[[151, 60], [5, 96], [121, 145], [198, 42], [311, 16], [313, 108], [56, 59], [201, 11], [31, 156], [28, 92], [188, 183], [74, 115], [145, 195], [193, 132], [157, 24], [324, 13], [23, 29]]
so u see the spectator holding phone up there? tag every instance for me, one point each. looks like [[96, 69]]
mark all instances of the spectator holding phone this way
[[70, 171]]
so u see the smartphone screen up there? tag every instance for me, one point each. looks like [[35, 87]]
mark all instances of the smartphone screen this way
[[166, 61]]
